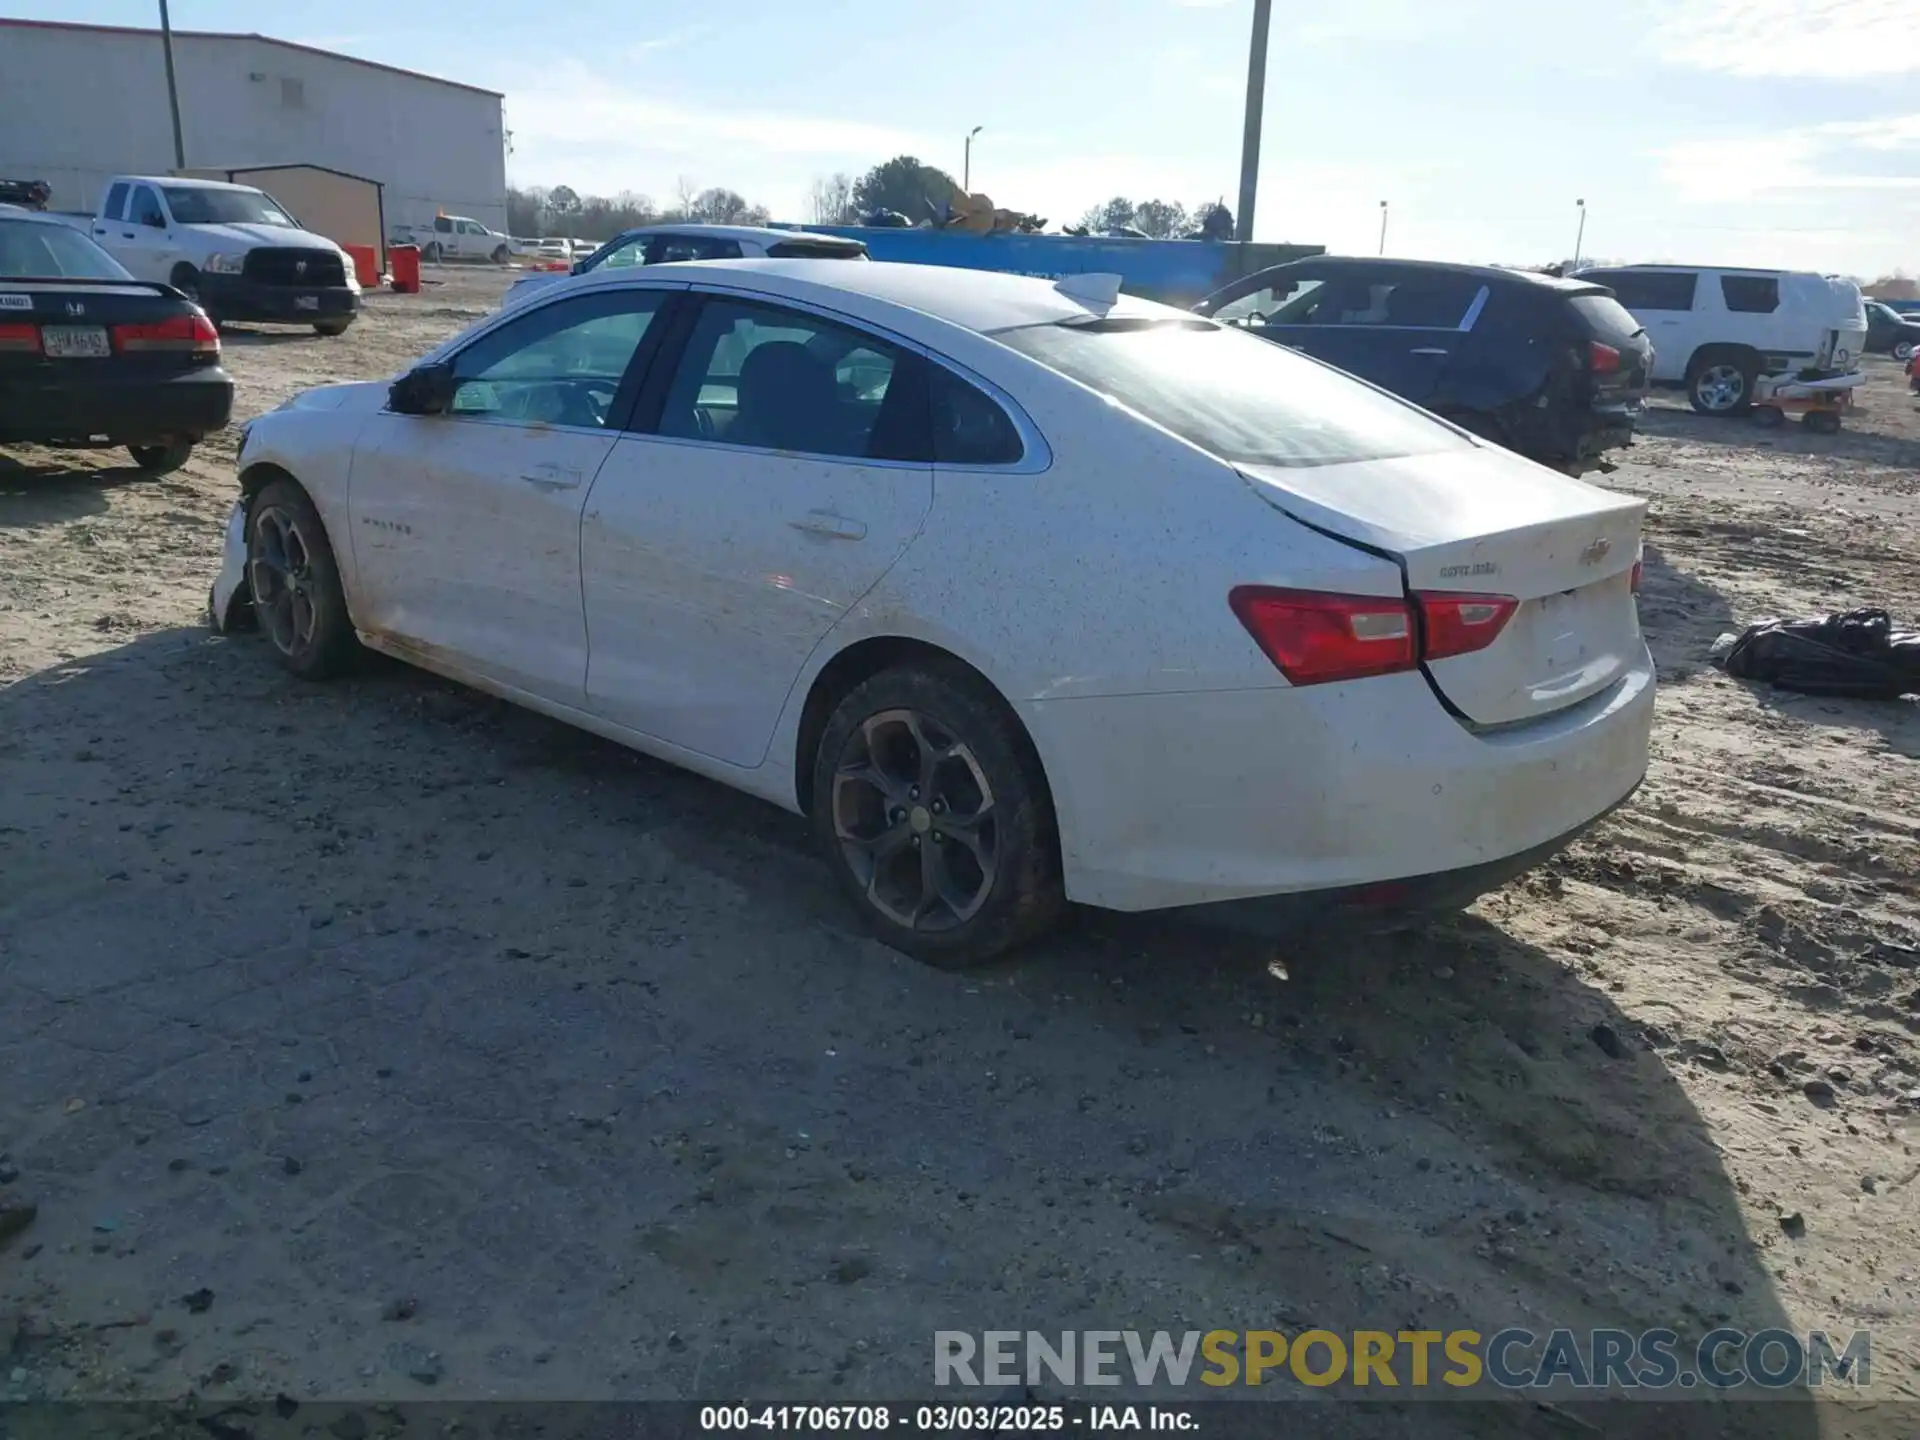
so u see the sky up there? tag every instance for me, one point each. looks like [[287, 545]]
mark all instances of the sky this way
[[1740, 132]]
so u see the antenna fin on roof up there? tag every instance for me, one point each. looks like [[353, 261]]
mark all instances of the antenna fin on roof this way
[[1095, 290]]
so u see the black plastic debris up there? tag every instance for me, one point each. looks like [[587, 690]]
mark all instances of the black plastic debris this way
[[1857, 654]]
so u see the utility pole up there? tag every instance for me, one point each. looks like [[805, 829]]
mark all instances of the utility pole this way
[[1580, 235], [1256, 99], [173, 89], [966, 164], [1383, 227]]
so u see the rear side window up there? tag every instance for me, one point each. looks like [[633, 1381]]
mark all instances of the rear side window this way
[[1751, 294], [1239, 397], [814, 250], [1605, 316], [969, 427], [1643, 290], [667, 249], [116, 202]]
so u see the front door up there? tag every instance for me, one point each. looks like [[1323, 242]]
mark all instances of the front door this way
[[785, 473], [466, 526], [144, 243]]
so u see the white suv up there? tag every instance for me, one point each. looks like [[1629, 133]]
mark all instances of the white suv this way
[[1717, 330]]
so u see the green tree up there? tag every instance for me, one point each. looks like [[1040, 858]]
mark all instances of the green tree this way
[[904, 184], [563, 200], [1162, 219], [1110, 216]]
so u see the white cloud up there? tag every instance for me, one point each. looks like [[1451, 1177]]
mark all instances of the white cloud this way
[[1732, 168], [1838, 39]]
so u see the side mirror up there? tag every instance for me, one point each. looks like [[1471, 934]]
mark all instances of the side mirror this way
[[427, 390]]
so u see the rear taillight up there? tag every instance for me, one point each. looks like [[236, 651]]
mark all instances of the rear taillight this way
[[18, 339], [1602, 359], [1461, 624], [178, 334], [1313, 637]]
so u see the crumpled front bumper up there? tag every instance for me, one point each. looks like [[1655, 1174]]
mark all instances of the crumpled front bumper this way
[[229, 606]]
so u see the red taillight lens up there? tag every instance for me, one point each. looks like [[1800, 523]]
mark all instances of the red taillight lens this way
[[1313, 637], [1638, 567], [1461, 624], [193, 334], [1603, 359], [18, 339]]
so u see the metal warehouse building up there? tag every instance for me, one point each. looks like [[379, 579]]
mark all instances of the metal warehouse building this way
[[79, 103]]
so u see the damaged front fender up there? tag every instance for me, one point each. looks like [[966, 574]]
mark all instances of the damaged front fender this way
[[229, 605]]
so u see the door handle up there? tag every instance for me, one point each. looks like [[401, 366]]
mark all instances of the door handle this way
[[1427, 350], [551, 477], [825, 522]]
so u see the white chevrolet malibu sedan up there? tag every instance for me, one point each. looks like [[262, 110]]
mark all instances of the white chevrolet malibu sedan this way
[[1024, 592]]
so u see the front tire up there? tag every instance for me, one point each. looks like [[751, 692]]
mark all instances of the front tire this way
[[294, 582], [1720, 382], [501, 255], [931, 809], [161, 459], [1903, 350]]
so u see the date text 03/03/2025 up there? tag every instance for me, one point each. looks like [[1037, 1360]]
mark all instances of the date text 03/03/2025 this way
[[945, 1419]]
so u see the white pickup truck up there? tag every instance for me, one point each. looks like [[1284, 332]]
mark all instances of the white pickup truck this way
[[232, 248], [455, 237]]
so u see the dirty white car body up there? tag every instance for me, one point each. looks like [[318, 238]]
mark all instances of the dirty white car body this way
[[1121, 588]]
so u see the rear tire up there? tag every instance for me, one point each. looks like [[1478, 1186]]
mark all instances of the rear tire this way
[[1769, 417], [931, 809], [331, 328], [161, 459], [1903, 350], [431, 254], [1720, 382], [1821, 422], [294, 583]]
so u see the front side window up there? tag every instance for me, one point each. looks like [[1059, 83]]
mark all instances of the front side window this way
[[561, 364], [775, 379], [192, 206], [1233, 394], [627, 253], [41, 250], [1750, 294], [1286, 301]]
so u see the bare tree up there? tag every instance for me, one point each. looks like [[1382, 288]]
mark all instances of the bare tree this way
[[685, 195], [830, 201]]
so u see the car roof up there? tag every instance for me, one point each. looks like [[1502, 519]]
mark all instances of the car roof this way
[[189, 181], [20, 212], [1660, 266], [1495, 273], [978, 300], [719, 232]]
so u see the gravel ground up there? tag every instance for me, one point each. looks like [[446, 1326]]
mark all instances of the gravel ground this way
[[377, 1041]]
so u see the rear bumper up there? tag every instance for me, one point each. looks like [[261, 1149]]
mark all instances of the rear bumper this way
[[1175, 801], [233, 297], [1576, 435], [75, 409]]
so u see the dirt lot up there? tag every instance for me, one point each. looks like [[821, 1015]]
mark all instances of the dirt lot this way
[[320, 1005]]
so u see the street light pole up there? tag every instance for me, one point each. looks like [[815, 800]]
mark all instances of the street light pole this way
[[173, 88], [1256, 99], [966, 165], [1581, 234], [1383, 227]]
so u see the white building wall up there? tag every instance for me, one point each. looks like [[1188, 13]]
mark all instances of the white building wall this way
[[78, 105]]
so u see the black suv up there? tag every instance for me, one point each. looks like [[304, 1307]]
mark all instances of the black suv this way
[[1554, 369], [1891, 333]]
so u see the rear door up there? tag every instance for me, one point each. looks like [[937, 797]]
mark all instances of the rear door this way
[[786, 468], [1399, 327], [1488, 523]]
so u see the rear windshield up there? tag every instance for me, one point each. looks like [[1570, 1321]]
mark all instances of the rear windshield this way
[[224, 207], [38, 250], [815, 250], [1606, 315], [1244, 399]]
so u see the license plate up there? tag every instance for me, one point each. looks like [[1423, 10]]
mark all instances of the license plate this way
[[306, 302], [75, 342]]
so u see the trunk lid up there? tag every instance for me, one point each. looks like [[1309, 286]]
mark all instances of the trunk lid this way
[[1488, 522]]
